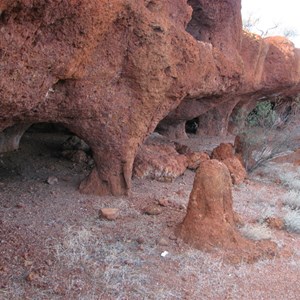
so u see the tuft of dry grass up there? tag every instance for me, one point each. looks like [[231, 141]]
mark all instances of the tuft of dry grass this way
[[292, 199], [292, 220], [256, 232]]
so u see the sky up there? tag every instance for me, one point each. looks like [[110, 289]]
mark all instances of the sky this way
[[271, 12]]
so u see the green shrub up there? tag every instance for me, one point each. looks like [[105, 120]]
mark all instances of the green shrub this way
[[272, 127]]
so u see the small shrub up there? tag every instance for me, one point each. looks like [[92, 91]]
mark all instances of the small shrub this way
[[272, 127], [256, 232], [292, 199], [291, 180], [292, 220], [262, 115]]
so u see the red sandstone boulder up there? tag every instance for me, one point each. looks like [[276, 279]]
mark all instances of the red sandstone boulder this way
[[225, 153], [159, 162], [236, 169]]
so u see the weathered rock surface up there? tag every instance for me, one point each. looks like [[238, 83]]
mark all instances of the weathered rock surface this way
[[226, 154], [223, 151], [109, 213], [209, 221], [10, 137], [159, 162], [236, 169], [270, 68], [111, 70], [78, 156], [195, 158]]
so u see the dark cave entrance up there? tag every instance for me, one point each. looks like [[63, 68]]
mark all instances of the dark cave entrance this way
[[200, 23], [191, 126], [46, 150]]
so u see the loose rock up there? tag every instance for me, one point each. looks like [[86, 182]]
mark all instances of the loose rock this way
[[163, 202], [32, 276], [52, 180], [78, 156], [152, 210], [162, 242], [159, 162], [110, 214]]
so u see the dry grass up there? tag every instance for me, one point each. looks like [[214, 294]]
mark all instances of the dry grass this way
[[290, 177], [292, 220], [98, 259], [292, 199], [256, 232]]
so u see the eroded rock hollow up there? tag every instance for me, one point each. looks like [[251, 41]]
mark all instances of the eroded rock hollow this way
[[112, 70]]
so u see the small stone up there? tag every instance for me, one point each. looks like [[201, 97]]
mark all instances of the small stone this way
[[173, 237], [152, 210], [78, 156], [110, 214], [28, 263], [3, 269], [278, 181], [32, 276], [141, 248], [140, 240], [184, 278], [163, 202], [49, 262], [20, 205], [66, 178], [52, 180], [182, 207], [162, 242], [180, 193]]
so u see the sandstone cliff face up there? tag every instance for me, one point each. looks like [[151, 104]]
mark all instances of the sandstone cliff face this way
[[110, 71], [270, 67]]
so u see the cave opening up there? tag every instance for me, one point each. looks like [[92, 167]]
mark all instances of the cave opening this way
[[200, 23], [191, 126], [44, 152]]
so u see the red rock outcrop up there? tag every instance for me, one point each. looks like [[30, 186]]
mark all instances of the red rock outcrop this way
[[226, 154], [110, 70], [236, 169], [270, 68], [159, 162], [209, 221], [223, 151]]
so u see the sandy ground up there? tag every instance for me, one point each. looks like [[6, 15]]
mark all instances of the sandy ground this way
[[53, 245]]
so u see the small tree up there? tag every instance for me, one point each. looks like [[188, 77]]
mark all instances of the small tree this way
[[253, 24], [272, 127]]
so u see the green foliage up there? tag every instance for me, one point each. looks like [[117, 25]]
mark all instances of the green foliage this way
[[263, 115], [272, 127]]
